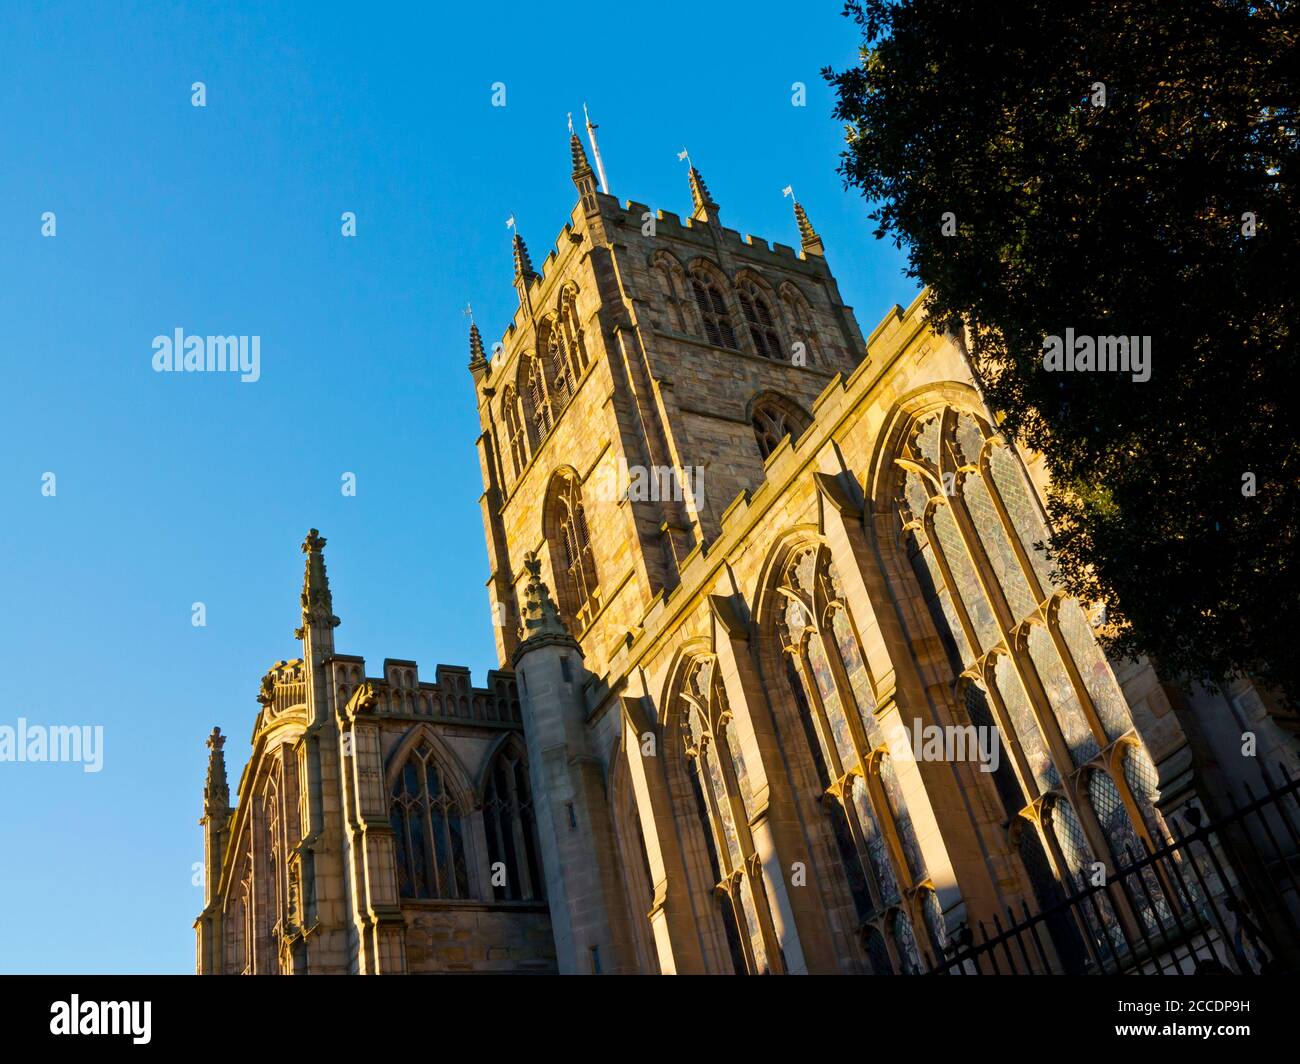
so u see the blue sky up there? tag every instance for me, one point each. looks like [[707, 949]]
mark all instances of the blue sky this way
[[181, 488]]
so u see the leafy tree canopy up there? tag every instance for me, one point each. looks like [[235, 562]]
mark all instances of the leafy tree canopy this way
[[1116, 168]]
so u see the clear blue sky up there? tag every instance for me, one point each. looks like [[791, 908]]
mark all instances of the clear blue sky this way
[[174, 489]]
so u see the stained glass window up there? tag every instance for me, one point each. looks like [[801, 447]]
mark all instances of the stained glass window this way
[[721, 783], [973, 545], [1022, 509], [1060, 693], [1140, 774], [902, 819], [927, 440], [1102, 923], [510, 827], [1095, 671], [847, 645], [909, 955], [933, 914], [1126, 849], [939, 600], [878, 953], [963, 573], [835, 699], [427, 820], [997, 548], [1025, 724], [970, 440]]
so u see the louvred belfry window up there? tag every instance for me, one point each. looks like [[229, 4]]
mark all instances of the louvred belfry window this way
[[516, 438], [563, 372], [713, 312], [762, 325], [572, 555], [539, 401]]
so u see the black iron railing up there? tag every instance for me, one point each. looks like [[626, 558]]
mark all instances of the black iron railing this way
[[1221, 896]]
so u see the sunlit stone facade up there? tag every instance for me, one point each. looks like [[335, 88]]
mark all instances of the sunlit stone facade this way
[[741, 557]]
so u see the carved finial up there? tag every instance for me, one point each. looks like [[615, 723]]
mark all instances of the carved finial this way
[[523, 264], [580, 164], [317, 602], [540, 617], [812, 243], [705, 205], [216, 791], [477, 360]]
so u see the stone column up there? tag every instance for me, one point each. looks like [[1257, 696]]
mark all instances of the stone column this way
[[376, 911], [672, 920], [574, 826]]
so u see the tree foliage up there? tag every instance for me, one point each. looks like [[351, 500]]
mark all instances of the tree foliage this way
[[1124, 213]]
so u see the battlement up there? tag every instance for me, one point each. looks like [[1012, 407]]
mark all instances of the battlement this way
[[670, 228], [399, 692]]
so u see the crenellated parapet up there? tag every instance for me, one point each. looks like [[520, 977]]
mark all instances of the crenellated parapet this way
[[400, 694]]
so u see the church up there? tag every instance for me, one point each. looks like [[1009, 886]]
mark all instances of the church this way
[[739, 555]]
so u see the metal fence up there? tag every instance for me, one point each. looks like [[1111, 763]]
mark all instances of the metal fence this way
[[1221, 897]]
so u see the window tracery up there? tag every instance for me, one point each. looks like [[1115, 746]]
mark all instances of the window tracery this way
[[429, 824], [834, 696], [970, 526]]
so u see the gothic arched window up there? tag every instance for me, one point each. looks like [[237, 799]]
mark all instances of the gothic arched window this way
[[800, 318], [713, 311], [429, 823], [571, 555], [861, 795], [665, 273], [563, 374], [723, 792], [539, 399], [774, 418], [276, 864], [971, 527], [511, 827], [762, 324], [571, 330], [516, 438]]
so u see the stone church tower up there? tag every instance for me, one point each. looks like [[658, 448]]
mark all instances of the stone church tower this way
[[786, 685], [782, 553]]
